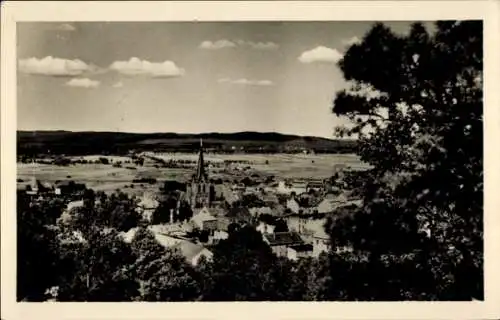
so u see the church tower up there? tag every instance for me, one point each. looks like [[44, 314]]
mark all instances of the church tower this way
[[200, 192]]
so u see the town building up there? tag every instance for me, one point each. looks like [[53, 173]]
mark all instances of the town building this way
[[316, 186], [295, 252], [280, 241], [291, 188], [205, 221], [321, 242], [193, 252], [200, 192]]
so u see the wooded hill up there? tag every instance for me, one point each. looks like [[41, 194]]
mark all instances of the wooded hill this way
[[80, 143]]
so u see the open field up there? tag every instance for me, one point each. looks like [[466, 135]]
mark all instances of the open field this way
[[282, 165], [108, 178]]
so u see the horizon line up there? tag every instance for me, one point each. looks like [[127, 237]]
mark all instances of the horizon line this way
[[185, 133]]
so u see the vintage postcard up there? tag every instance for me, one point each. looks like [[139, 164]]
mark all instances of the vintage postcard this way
[[249, 159]]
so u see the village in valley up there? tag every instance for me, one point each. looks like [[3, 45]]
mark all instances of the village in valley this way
[[248, 161], [289, 213]]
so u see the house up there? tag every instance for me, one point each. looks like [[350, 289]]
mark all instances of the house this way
[[280, 241], [314, 186], [332, 202], [295, 222], [321, 242], [193, 252], [204, 220], [289, 188], [295, 252]]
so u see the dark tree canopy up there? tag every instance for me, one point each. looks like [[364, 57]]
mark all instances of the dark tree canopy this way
[[416, 106]]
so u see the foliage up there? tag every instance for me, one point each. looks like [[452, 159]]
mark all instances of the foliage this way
[[97, 269], [36, 247], [244, 269], [164, 274], [416, 106]]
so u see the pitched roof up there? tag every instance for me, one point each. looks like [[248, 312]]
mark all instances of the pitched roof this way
[[190, 250], [302, 247], [203, 216], [74, 204], [283, 238], [321, 234]]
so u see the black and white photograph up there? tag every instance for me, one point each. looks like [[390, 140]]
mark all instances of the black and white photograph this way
[[249, 161]]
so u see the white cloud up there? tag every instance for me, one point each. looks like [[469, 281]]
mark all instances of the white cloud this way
[[119, 84], [136, 66], [247, 82], [320, 54], [66, 27], [351, 41], [259, 45], [50, 66], [83, 83], [219, 44]]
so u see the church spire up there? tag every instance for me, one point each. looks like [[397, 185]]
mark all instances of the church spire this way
[[200, 170]]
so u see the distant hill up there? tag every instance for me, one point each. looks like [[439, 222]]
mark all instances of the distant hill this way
[[81, 143]]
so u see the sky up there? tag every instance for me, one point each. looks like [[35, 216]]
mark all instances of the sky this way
[[186, 77]]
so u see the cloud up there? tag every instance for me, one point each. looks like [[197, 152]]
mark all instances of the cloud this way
[[351, 41], [119, 84], [136, 66], [247, 82], [258, 45], [65, 27], [83, 83], [320, 54], [50, 66], [219, 44]]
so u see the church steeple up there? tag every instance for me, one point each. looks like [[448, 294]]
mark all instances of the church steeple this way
[[200, 170]]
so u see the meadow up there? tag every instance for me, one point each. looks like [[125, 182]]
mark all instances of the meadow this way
[[108, 178]]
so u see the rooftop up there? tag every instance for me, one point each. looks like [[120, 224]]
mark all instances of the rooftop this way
[[190, 250], [283, 238], [302, 247]]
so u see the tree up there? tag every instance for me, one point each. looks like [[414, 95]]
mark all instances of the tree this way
[[99, 268], [416, 108], [164, 274], [245, 269], [36, 248]]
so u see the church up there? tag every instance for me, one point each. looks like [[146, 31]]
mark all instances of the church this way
[[200, 191]]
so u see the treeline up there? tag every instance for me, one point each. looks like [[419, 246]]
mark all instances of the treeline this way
[[33, 143]]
